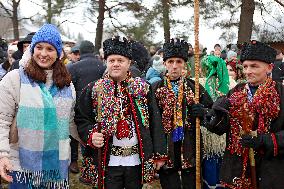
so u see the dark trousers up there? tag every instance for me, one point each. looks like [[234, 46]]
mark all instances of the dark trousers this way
[[74, 144], [120, 177], [170, 178]]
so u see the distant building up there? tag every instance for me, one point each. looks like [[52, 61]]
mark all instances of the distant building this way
[[25, 29], [277, 45]]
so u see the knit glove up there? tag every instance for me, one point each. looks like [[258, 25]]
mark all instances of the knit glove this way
[[221, 105], [254, 142], [197, 110]]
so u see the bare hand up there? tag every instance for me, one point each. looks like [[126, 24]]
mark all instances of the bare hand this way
[[98, 140], [5, 166], [158, 164]]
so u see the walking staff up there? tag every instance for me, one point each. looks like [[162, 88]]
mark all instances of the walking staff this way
[[196, 63], [175, 96]]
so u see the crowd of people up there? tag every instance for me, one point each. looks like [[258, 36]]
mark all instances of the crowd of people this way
[[132, 113]]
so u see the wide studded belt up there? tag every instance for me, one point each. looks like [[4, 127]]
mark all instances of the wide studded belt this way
[[124, 151]]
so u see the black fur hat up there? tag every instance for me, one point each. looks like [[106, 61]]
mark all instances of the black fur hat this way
[[258, 51], [117, 45], [176, 48], [140, 55]]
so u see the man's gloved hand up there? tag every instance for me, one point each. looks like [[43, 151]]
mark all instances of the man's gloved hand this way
[[221, 105], [254, 142], [211, 119], [197, 110]]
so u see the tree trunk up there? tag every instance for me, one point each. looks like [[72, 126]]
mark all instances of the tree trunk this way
[[49, 12], [246, 21], [15, 20], [100, 26], [166, 19]]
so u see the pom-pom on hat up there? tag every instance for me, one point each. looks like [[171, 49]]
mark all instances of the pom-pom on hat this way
[[258, 51], [176, 48], [117, 45], [48, 33]]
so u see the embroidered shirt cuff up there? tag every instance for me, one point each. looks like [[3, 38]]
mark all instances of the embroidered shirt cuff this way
[[89, 141], [160, 157]]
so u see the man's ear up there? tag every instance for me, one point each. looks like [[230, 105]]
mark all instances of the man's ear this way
[[270, 67]]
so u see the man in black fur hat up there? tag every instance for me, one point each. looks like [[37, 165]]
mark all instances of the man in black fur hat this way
[[130, 137], [175, 97], [252, 115]]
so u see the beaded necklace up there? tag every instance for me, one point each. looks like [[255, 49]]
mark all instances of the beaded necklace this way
[[124, 127], [178, 107], [172, 106], [111, 105]]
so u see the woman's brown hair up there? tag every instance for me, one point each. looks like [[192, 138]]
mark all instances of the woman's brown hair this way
[[61, 76]]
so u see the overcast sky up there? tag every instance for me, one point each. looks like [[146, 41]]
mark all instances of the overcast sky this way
[[208, 36]]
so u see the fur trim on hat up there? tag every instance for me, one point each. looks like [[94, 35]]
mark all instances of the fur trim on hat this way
[[140, 55], [117, 45], [176, 48]]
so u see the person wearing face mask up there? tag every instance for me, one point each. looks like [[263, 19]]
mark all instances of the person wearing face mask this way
[[36, 113], [252, 115], [175, 97], [118, 116]]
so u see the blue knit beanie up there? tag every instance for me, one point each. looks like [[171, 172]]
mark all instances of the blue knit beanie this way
[[48, 33]]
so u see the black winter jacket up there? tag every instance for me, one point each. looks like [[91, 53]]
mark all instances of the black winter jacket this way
[[88, 69]]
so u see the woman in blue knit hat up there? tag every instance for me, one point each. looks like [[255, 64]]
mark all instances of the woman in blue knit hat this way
[[36, 112]]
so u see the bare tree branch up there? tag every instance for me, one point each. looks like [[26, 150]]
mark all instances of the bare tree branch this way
[[119, 4], [9, 12], [119, 28], [43, 7], [279, 2], [17, 2], [264, 8], [28, 18], [91, 18]]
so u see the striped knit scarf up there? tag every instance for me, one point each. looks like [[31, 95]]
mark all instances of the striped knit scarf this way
[[43, 127]]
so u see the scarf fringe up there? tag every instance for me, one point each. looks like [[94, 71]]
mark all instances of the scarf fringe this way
[[213, 144], [42, 179]]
